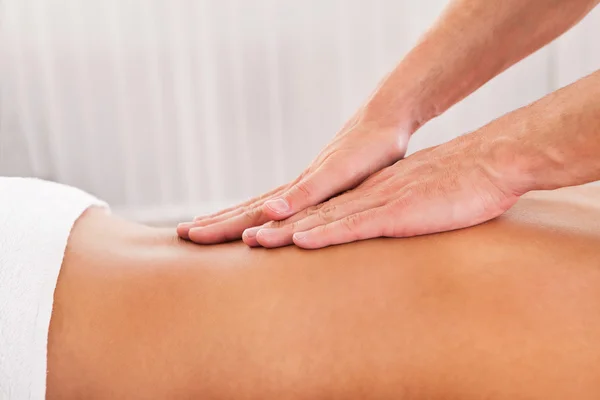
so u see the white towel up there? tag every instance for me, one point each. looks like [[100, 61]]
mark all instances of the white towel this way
[[36, 218]]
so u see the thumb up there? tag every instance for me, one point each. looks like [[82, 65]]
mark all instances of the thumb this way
[[322, 184]]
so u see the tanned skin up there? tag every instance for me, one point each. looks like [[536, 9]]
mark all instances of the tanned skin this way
[[509, 309]]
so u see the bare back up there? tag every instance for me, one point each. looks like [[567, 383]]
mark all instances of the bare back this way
[[506, 310]]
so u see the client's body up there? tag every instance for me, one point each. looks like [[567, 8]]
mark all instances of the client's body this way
[[505, 310]]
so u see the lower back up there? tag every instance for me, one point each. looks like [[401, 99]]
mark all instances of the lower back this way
[[507, 309]]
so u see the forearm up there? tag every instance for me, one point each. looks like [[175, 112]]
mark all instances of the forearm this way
[[473, 41], [552, 143]]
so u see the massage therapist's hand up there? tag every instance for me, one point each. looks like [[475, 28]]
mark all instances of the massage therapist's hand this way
[[447, 187], [473, 41], [362, 147]]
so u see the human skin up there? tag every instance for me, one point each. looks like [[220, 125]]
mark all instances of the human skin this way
[[509, 309], [551, 143], [472, 41]]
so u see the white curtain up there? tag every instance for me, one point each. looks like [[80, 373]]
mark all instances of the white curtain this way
[[169, 108]]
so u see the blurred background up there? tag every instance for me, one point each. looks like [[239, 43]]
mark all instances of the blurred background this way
[[172, 108]]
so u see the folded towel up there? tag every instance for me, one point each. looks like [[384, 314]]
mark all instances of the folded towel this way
[[36, 218]]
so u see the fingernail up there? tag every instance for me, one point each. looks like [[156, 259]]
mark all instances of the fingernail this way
[[251, 232], [299, 236], [280, 206], [185, 225]]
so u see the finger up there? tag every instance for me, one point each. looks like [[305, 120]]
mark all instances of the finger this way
[[247, 203], [343, 206], [325, 182], [183, 228], [227, 230], [234, 212], [249, 235], [360, 226]]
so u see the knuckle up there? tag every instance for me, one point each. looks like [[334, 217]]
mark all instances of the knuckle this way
[[312, 210], [327, 214], [351, 222], [252, 213], [284, 223], [276, 224], [294, 226], [304, 189], [271, 224]]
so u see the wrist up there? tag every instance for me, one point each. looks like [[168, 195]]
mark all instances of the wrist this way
[[399, 110], [408, 96], [516, 161]]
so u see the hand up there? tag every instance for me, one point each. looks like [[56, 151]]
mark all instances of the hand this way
[[447, 187], [361, 148]]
